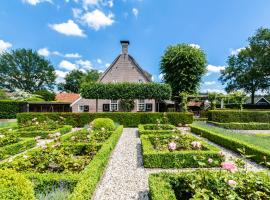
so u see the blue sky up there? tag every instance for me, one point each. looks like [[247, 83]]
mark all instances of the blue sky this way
[[86, 33]]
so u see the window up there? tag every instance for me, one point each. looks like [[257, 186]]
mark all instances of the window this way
[[114, 105], [140, 81], [149, 107], [106, 107], [83, 108], [141, 105]]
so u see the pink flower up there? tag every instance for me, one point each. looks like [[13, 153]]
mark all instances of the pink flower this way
[[229, 166], [232, 183], [210, 160], [196, 144], [221, 154], [172, 146]]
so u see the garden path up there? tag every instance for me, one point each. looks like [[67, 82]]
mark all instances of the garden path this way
[[125, 178]]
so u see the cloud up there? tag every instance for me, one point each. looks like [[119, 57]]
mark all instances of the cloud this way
[[161, 77], [215, 69], [110, 3], [69, 28], [213, 90], [135, 12], [44, 52], [97, 19], [99, 61], [60, 76], [210, 82], [195, 46], [73, 55], [4, 46], [64, 64], [76, 12], [35, 2], [236, 51], [85, 64]]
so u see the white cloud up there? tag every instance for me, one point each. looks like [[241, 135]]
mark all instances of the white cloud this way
[[60, 76], [44, 52], [135, 12], [73, 55], [100, 71], [213, 90], [97, 19], [195, 46], [99, 61], [35, 2], [210, 82], [4, 46], [107, 65], [161, 77], [76, 12], [215, 69], [64, 64], [89, 3], [84, 64], [69, 28], [236, 51], [110, 3]]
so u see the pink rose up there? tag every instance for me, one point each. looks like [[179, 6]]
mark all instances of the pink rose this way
[[196, 144], [172, 146], [229, 166], [232, 183], [221, 154]]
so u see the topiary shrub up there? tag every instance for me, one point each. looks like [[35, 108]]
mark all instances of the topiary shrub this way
[[15, 186], [100, 123]]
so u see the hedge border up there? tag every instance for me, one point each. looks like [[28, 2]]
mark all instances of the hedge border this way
[[232, 144], [242, 126], [127, 119], [92, 174], [142, 130], [165, 159]]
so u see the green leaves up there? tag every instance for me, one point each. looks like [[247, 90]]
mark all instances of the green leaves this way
[[126, 91]]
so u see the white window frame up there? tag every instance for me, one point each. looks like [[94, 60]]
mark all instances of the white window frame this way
[[82, 106], [113, 103], [141, 102]]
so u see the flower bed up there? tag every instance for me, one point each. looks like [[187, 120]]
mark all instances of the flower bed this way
[[178, 150], [243, 126], [155, 128], [209, 184]]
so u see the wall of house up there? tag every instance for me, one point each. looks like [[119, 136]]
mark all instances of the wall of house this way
[[90, 102]]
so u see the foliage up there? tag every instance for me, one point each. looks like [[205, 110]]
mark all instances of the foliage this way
[[9, 108], [126, 91], [127, 105], [155, 129], [20, 95], [103, 123], [91, 76], [212, 96], [8, 138], [259, 152], [24, 69], [184, 101], [243, 126], [46, 95], [226, 116], [182, 67], [56, 194], [3, 95], [126, 119], [239, 98], [15, 186]]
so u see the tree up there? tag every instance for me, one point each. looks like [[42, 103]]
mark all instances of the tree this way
[[127, 105], [182, 67], [26, 70], [75, 78], [239, 98], [46, 95], [184, 101]]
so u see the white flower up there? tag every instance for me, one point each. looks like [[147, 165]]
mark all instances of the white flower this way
[[57, 134], [196, 144], [10, 129], [2, 136], [10, 160], [37, 137], [25, 156], [73, 138], [103, 129]]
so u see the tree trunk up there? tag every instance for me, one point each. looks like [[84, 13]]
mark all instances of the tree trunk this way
[[96, 105], [252, 97]]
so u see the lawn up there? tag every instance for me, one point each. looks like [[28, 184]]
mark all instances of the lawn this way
[[256, 140], [7, 124]]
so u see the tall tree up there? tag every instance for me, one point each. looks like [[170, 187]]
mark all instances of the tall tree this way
[[249, 70], [26, 70], [182, 67]]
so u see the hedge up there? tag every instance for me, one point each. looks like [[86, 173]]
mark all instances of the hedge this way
[[158, 91], [9, 109], [12, 149], [243, 126], [92, 174], [143, 129], [177, 159], [127, 119], [227, 116], [257, 153]]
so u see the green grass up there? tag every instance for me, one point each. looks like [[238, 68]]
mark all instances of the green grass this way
[[7, 124], [260, 140]]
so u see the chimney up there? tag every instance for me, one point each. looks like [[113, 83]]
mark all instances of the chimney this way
[[124, 44]]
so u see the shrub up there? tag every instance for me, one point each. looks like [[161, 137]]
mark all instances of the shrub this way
[[15, 186], [227, 116], [127, 119], [243, 126], [155, 129], [105, 123], [46, 95], [9, 109]]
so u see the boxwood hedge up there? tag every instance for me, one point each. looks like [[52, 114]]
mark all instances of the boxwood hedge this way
[[127, 119], [243, 126], [165, 129], [9, 109]]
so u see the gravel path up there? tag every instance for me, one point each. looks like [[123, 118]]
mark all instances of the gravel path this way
[[125, 177]]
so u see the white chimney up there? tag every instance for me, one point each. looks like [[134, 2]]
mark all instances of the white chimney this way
[[124, 44]]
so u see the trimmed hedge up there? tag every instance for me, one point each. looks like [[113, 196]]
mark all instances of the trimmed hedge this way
[[243, 126], [227, 116], [144, 131], [9, 109], [127, 119], [92, 174], [233, 144], [105, 123], [177, 159], [12, 149]]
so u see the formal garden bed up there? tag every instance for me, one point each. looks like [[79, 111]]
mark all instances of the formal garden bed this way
[[158, 128]]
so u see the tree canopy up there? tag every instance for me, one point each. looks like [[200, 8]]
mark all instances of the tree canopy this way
[[26, 70], [182, 67], [249, 70]]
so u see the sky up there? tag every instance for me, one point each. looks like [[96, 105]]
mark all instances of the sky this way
[[86, 34]]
